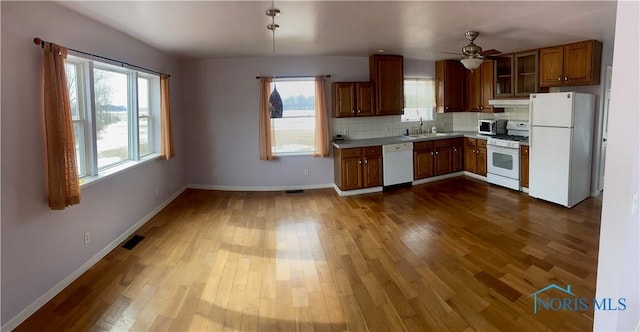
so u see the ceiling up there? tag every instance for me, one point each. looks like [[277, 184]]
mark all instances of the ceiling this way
[[415, 29]]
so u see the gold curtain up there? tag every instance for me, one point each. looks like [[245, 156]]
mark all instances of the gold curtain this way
[[167, 150], [62, 173], [265, 120], [322, 123]]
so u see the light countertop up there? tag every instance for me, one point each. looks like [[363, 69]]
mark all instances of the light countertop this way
[[359, 143]]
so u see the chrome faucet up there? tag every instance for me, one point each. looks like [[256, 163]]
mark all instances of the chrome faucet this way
[[419, 131]]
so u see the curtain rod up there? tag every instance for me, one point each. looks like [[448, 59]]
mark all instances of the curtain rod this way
[[41, 43], [259, 77]]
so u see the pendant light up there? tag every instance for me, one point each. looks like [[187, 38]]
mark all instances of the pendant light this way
[[275, 101]]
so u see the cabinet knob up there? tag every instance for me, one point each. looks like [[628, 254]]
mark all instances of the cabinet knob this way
[[446, 107], [360, 161], [566, 78], [366, 161], [455, 150], [358, 111], [481, 107], [559, 78], [432, 153], [353, 111]]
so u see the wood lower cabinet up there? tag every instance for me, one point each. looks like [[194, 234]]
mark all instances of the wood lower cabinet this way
[[475, 156], [432, 158], [571, 64], [524, 166], [358, 168], [458, 154], [352, 99]]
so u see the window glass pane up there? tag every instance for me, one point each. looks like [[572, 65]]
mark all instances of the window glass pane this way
[[112, 120], [78, 135], [144, 121], [419, 96], [71, 70], [295, 131]]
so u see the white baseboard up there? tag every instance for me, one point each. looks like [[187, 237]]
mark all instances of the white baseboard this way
[[475, 176], [46, 297], [356, 191], [437, 178], [274, 188]]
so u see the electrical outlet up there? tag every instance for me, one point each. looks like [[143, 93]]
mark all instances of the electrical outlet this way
[[306, 171], [86, 238]]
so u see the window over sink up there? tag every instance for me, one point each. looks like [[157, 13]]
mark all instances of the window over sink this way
[[419, 99]]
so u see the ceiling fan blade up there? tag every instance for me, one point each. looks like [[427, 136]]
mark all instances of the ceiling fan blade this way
[[492, 57], [492, 51], [452, 53]]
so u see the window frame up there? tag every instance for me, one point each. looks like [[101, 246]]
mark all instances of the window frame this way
[[89, 171], [273, 130], [404, 118]]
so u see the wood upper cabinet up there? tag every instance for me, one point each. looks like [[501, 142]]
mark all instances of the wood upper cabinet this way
[[358, 168], [386, 73], [524, 166], [571, 64], [475, 156], [526, 73], [479, 88], [503, 77], [449, 86], [431, 158], [352, 99]]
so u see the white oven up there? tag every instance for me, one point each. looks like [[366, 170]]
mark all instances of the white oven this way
[[503, 163]]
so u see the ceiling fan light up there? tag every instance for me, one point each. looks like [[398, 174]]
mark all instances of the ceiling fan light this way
[[471, 63]]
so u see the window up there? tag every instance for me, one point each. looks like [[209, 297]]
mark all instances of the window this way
[[419, 99], [114, 111], [294, 133]]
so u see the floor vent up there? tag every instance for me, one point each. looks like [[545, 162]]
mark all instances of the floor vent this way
[[133, 242], [297, 191]]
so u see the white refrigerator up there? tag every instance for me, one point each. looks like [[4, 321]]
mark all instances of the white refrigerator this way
[[560, 142]]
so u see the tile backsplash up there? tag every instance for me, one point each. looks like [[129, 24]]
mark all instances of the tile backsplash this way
[[384, 126]]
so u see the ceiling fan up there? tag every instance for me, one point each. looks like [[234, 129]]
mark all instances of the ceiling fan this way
[[472, 54]]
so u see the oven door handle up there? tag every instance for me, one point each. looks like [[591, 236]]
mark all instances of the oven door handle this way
[[502, 149]]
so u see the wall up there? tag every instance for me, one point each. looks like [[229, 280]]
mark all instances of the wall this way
[[619, 250], [41, 247]]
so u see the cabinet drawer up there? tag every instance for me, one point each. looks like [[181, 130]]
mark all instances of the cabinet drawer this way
[[418, 146], [348, 153], [442, 143], [372, 151], [481, 143]]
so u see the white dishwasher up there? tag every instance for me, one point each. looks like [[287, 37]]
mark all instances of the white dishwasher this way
[[397, 163]]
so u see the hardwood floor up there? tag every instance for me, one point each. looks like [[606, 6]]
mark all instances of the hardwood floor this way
[[458, 255]]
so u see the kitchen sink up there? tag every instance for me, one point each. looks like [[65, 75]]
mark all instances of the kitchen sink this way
[[428, 135]]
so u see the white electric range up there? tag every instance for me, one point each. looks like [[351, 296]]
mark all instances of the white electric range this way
[[503, 155]]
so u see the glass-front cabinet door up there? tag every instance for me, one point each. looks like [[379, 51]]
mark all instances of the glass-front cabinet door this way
[[504, 76], [526, 73]]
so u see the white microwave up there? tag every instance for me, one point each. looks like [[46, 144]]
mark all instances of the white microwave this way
[[492, 127]]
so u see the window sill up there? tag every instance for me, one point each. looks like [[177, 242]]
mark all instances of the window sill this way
[[109, 172], [293, 154]]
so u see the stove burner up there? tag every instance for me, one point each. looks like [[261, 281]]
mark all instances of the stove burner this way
[[516, 138]]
